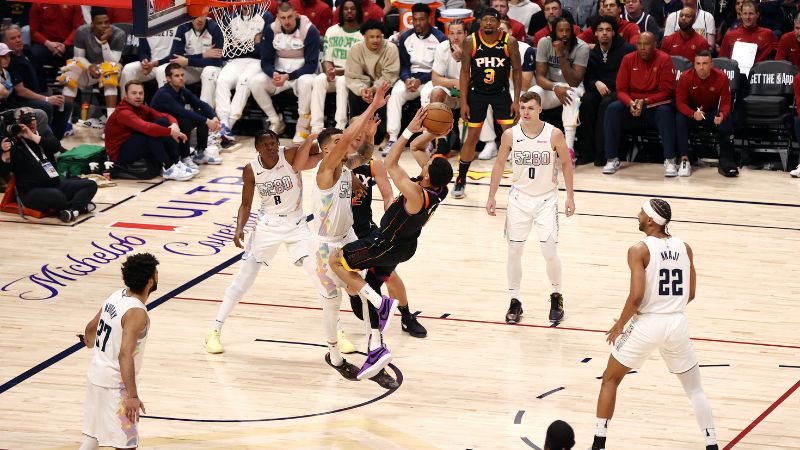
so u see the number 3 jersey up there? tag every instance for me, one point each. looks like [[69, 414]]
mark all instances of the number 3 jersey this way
[[280, 188], [490, 65], [667, 277], [104, 368], [533, 161]]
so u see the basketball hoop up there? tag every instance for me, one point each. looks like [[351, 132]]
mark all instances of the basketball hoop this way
[[239, 21]]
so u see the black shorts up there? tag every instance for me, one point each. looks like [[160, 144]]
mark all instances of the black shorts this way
[[479, 103], [382, 257]]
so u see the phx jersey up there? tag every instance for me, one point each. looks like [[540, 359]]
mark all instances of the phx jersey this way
[[401, 228], [490, 66], [362, 207]]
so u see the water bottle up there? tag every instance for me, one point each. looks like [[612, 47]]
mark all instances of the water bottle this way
[[85, 111]]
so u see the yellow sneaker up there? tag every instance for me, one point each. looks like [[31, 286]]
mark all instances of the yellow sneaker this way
[[213, 344], [344, 344]]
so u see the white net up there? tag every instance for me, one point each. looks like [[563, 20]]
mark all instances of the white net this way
[[240, 25]]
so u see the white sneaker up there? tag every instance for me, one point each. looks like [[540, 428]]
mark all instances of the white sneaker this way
[[187, 169], [188, 162], [685, 169], [611, 167], [175, 172], [489, 151], [278, 127], [670, 170], [212, 155], [796, 172]]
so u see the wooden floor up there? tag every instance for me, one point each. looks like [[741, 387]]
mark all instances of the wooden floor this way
[[474, 383]]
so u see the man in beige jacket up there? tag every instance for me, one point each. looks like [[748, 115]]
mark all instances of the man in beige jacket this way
[[369, 64]]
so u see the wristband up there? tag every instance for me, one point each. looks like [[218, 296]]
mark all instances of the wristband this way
[[45, 99], [407, 134]]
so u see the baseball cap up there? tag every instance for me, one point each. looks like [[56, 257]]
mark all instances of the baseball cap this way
[[4, 50]]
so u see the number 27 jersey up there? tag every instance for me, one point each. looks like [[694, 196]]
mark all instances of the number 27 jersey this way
[[533, 161]]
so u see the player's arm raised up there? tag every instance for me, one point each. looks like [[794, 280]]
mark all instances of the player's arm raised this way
[[90, 331], [692, 272], [133, 323], [243, 215], [516, 74], [381, 177], [410, 190], [497, 170], [305, 157], [560, 146], [636, 262], [466, 63]]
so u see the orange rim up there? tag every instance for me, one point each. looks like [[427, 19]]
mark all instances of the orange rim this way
[[198, 8]]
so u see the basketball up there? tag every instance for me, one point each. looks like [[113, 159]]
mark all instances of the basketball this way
[[439, 118]]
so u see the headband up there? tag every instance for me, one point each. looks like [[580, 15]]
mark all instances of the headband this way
[[653, 214]]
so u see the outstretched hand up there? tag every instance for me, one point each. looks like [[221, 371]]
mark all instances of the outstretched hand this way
[[416, 123], [381, 97]]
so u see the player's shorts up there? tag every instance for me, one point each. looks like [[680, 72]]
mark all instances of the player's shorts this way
[[478, 104], [380, 256], [322, 247], [669, 333], [104, 417], [525, 210], [274, 230]]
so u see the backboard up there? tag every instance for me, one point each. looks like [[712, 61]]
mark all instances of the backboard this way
[[151, 17]]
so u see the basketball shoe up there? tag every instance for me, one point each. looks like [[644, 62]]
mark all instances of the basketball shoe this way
[[556, 307], [386, 311], [514, 312], [346, 370], [385, 380], [212, 343], [344, 344], [458, 191], [411, 326], [376, 361]]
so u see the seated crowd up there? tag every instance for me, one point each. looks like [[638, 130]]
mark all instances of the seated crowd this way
[[606, 64]]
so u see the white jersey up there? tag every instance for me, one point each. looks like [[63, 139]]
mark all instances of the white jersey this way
[[333, 213], [281, 188], [104, 369], [161, 44], [533, 161], [666, 287]]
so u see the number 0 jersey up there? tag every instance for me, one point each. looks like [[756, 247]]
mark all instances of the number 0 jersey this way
[[490, 65], [280, 188], [533, 161], [104, 368], [666, 287]]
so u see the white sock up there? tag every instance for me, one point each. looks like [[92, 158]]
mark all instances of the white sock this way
[[330, 317], [690, 380], [569, 135], [240, 284], [89, 443], [369, 294], [602, 427], [552, 262], [109, 111], [514, 267], [375, 340], [218, 325]]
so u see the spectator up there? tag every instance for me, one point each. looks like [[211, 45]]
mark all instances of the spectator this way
[[796, 172], [686, 42], [137, 131], [789, 45], [369, 64], [732, 21], [517, 29], [154, 51], [52, 34], [703, 97], [7, 84], [98, 48], [661, 9], [289, 60], [477, 7], [32, 158], [26, 84], [198, 49], [317, 11], [552, 11], [581, 10], [601, 86], [634, 13], [645, 89], [527, 55], [417, 48], [371, 10], [522, 11], [703, 23], [627, 30], [560, 436], [17, 12], [338, 41], [561, 61], [749, 32], [192, 113]]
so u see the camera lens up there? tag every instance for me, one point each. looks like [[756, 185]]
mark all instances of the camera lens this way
[[14, 129]]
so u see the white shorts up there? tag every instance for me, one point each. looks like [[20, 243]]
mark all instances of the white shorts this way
[[669, 333], [272, 231], [104, 417], [327, 280], [526, 210]]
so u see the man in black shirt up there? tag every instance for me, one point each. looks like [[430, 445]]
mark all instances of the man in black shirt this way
[[600, 84], [32, 159]]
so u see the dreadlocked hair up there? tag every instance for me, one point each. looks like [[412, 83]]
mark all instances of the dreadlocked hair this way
[[662, 208]]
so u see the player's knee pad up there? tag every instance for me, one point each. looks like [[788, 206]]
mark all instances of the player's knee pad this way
[[109, 74], [70, 73]]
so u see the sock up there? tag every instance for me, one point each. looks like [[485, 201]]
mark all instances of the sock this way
[[514, 267], [602, 428], [330, 317], [690, 380], [552, 262], [463, 168], [240, 284], [404, 311], [109, 111], [369, 294], [89, 443], [218, 325], [711, 436], [375, 339]]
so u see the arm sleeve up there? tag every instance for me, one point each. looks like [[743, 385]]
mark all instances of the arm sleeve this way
[[405, 58], [682, 95], [391, 68], [136, 123], [51, 146], [34, 21], [725, 103], [310, 54], [268, 52], [216, 40], [354, 75], [783, 52], [725, 48], [166, 103], [624, 82]]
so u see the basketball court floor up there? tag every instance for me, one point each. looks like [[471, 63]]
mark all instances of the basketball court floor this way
[[473, 383]]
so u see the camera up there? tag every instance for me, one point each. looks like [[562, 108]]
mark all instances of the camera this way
[[8, 123]]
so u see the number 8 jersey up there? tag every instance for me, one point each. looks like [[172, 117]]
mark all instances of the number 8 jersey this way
[[104, 369], [281, 188], [533, 161], [667, 277]]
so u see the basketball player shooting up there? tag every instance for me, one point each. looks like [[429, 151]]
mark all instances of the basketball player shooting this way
[[534, 146]]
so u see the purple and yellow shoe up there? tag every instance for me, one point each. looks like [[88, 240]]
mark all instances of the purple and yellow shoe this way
[[376, 361], [386, 311]]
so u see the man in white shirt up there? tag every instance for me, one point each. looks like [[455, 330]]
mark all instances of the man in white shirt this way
[[703, 23]]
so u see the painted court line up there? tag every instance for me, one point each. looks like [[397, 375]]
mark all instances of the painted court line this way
[[761, 417]]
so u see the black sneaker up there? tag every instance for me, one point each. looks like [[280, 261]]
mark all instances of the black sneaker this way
[[556, 307], [385, 380], [67, 216], [346, 370], [514, 312], [458, 191], [411, 326], [89, 208]]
